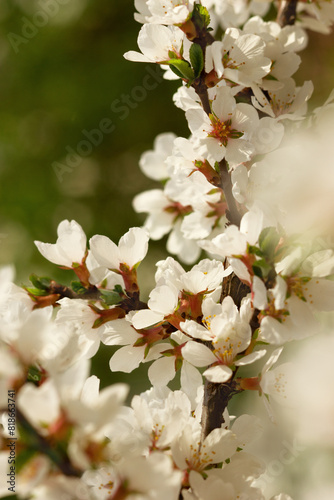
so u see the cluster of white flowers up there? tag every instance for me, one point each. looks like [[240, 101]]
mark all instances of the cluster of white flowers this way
[[224, 192]]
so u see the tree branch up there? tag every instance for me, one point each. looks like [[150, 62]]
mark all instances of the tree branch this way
[[216, 398], [232, 213], [41, 445], [286, 15]]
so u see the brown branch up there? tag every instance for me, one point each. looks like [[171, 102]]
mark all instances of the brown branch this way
[[91, 293], [40, 444], [232, 212], [216, 398], [286, 15]]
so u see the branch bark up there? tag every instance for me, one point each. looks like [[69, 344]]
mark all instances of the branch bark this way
[[287, 13], [217, 396], [41, 445]]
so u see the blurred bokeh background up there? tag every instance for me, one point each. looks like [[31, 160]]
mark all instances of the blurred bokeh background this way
[[62, 76]]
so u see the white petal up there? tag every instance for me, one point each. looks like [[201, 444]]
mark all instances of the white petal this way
[[163, 299], [133, 246], [198, 354], [145, 318], [126, 359], [259, 290], [218, 374], [251, 358], [118, 332], [105, 251], [162, 371]]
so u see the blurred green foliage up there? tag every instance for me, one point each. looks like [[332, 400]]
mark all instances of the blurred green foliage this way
[[60, 82]]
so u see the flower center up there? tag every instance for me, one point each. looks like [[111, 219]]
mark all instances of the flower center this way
[[223, 131]]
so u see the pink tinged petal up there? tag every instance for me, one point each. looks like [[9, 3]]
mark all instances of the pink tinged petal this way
[[145, 317], [133, 246], [198, 354], [162, 371], [163, 299], [127, 359], [222, 442], [259, 290], [218, 374], [251, 358], [118, 332], [105, 251]]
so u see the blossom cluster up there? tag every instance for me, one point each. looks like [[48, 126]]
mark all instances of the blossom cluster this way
[[230, 190]]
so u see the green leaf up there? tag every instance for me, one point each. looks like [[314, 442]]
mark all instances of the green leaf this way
[[37, 292], [196, 59], [261, 268], [253, 250], [201, 16], [268, 241], [140, 342], [34, 375], [23, 457], [111, 297], [178, 364], [183, 68], [40, 283], [77, 287]]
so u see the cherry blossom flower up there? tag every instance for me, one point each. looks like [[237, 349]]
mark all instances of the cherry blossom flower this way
[[189, 453], [226, 133], [239, 58], [155, 42], [70, 247], [168, 12], [230, 334], [131, 249]]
